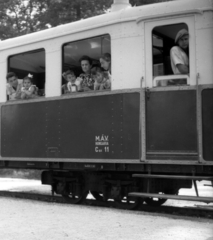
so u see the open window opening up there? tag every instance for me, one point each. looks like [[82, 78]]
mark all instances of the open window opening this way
[[73, 52], [163, 40], [32, 63]]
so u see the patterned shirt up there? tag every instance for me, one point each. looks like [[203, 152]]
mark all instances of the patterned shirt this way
[[87, 83]]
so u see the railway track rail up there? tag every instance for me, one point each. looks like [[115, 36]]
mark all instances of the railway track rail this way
[[199, 211]]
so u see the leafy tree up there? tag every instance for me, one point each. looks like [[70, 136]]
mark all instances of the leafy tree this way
[[20, 17]]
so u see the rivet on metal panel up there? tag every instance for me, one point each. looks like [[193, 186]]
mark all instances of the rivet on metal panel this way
[[193, 170], [149, 169]]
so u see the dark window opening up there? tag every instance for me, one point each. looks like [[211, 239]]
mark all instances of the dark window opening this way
[[163, 39], [91, 47], [32, 62]]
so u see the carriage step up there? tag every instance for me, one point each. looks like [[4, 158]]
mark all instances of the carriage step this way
[[172, 177], [176, 197]]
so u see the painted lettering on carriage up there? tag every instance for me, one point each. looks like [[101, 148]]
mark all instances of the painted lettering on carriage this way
[[90, 166], [101, 143], [97, 149], [102, 138]]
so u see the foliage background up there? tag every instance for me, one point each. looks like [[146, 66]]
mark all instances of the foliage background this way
[[20, 17]]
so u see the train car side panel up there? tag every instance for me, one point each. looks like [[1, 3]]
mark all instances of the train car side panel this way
[[171, 122], [93, 127], [23, 130], [207, 114]]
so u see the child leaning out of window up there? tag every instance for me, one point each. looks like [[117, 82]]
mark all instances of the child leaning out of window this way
[[70, 86], [102, 79], [28, 91]]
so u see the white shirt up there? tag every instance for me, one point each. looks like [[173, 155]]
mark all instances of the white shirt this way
[[11, 91], [178, 56]]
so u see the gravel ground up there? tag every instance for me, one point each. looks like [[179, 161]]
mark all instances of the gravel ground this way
[[32, 220]]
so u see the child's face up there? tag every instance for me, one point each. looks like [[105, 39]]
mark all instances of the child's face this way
[[104, 64], [98, 77], [13, 81], [27, 83], [71, 78]]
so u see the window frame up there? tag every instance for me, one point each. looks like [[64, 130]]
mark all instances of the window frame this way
[[80, 40], [149, 27], [42, 49]]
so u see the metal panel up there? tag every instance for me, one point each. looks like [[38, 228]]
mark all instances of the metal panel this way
[[171, 122], [23, 130], [207, 120], [89, 127], [101, 127]]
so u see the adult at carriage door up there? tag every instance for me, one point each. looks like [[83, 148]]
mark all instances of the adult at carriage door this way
[[179, 54]]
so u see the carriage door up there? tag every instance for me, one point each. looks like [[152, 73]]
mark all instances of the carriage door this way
[[171, 103]]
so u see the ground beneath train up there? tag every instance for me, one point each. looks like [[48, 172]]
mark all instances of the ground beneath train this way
[[26, 219]]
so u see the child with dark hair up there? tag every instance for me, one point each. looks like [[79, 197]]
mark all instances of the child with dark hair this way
[[105, 61], [28, 91], [70, 86], [14, 86], [101, 78]]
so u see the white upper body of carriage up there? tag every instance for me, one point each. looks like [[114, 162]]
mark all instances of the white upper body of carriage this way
[[137, 41]]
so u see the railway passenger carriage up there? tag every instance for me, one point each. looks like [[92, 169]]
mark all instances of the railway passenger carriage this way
[[142, 138]]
